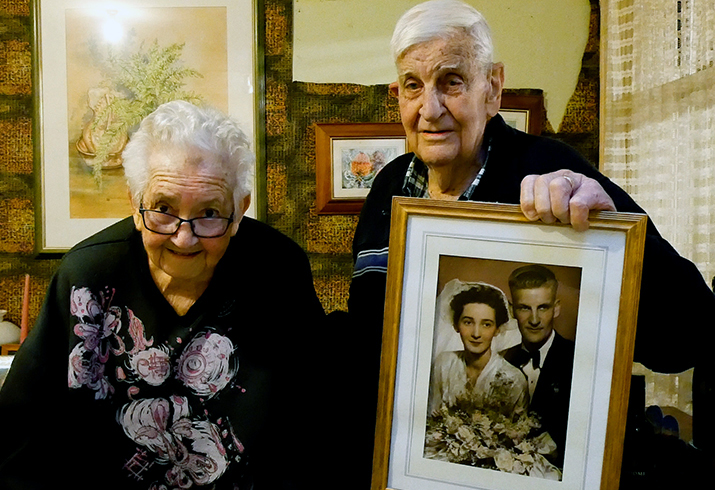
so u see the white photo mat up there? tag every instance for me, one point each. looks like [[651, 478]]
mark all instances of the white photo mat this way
[[57, 230]]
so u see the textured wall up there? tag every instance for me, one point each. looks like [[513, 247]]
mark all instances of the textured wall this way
[[17, 172], [292, 110]]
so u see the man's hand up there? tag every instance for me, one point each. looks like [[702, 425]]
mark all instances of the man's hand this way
[[565, 196]]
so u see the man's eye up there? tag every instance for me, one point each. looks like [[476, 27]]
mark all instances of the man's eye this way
[[162, 208], [211, 213]]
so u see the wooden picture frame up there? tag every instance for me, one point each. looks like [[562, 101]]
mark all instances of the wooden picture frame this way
[[609, 256], [523, 112], [347, 157], [73, 52]]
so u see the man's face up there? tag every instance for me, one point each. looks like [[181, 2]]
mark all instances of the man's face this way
[[445, 101], [535, 310]]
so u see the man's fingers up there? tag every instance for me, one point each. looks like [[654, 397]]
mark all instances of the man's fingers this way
[[527, 197], [564, 196]]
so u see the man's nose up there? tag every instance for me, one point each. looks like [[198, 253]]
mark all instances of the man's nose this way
[[432, 104], [535, 318]]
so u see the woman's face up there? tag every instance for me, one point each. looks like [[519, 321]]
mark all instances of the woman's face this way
[[476, 327], [186, 191]]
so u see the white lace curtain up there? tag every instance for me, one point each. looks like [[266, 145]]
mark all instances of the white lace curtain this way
[[659, 116]]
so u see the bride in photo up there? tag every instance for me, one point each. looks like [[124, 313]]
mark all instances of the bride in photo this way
[[477, 376]]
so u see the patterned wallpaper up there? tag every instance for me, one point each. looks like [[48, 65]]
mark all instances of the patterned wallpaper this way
[[292, 110], [17, 172]]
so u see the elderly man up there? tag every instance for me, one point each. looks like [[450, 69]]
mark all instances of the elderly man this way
[[544, 356], [449, 91]]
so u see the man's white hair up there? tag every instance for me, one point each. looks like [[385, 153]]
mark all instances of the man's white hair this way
[[179, 123], [439, 19]]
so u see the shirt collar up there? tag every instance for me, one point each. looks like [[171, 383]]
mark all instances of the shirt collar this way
[[544, 349], [417, 176]]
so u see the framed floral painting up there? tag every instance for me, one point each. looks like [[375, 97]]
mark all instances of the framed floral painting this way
[[465, 401], [348, 156], [100, 66]]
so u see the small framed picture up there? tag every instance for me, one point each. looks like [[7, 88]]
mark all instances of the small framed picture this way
[[348, 158], [523, 112], [507, 349]]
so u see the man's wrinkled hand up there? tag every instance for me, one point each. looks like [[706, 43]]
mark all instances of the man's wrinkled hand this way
[[565, 196]]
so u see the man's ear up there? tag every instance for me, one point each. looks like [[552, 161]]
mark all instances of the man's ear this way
[[496, 85], [395, 89], [557, 308]]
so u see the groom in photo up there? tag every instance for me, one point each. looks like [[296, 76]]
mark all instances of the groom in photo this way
[[545, 357]]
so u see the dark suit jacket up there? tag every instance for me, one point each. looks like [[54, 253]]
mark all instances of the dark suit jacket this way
[[551, 395]]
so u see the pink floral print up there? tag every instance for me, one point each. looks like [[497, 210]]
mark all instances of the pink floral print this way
[[205, 366], [191, 448]]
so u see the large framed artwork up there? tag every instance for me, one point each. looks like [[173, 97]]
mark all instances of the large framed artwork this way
[[471, 288], [348, 156], [100, 66]]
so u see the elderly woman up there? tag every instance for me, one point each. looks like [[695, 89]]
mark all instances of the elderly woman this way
[[477, 376], [156, 362]]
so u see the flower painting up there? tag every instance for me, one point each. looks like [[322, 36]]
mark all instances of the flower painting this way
[[102, 66], [361, 165], [114, 81], [348, 158]]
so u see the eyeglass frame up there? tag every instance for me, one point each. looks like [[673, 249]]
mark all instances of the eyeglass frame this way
[[190, 221]]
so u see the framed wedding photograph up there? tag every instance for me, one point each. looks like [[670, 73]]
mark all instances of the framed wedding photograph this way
[[507, 349], [523, 112], [100, 67], [348, 156]]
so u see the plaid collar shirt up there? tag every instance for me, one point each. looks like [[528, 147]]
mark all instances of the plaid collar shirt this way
[[416, 178]]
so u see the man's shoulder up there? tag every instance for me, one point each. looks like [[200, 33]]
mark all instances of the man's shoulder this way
[[511, 354], [561, 352], [390, 179]]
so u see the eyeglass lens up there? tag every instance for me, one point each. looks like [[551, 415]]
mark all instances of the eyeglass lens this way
[[168, 224]]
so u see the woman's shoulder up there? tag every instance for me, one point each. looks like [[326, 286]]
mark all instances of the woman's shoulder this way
[[109, 246]]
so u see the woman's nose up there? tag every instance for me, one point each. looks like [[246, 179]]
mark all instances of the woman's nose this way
[[184, 236]]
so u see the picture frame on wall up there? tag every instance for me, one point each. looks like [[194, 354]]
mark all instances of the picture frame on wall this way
[[91, 58], [439, 249], [348, 156], [523, 112]]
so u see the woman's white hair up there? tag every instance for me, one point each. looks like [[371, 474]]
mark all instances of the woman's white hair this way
[[439, 19], [182, 124]]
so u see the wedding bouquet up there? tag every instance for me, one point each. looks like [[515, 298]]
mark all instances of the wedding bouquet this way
[[486, 438]]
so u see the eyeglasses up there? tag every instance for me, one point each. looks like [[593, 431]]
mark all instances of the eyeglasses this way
[[168, 224]]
